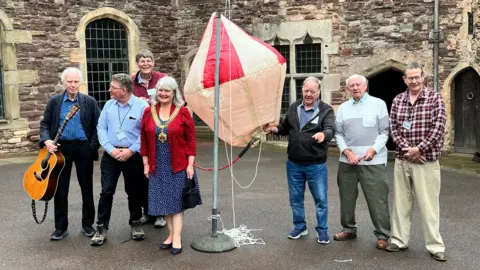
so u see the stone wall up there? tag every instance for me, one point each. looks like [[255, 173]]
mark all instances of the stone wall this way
[[52, 26], [371, 35]]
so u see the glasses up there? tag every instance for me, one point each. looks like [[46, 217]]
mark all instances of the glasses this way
[[306, 91], [412, 79]]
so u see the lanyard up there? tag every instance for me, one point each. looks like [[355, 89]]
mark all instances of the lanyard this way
[[125, 116], [408, 110], [410, 107]]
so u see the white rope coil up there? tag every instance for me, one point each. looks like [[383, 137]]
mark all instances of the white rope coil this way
[[241, 235]]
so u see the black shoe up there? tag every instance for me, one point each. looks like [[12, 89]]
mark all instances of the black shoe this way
[[439, 256], [58, 234], [176, 251], [166, 246], [88, 231], [394, 248]]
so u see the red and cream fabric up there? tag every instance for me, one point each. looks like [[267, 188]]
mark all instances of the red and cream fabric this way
[[252, 74], [426, 118]]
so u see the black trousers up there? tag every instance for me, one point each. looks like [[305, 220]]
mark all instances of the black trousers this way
[[144, 194], [132, 171], [77, 152]]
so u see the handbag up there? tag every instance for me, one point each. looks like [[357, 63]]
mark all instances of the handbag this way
[[191, 194]]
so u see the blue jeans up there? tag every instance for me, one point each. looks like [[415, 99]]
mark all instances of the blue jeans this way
[[316, 176]]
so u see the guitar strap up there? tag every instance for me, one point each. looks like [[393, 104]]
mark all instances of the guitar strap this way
[[34, 212]]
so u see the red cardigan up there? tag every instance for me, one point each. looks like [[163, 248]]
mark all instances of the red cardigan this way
[[180, 137], [139, 90]]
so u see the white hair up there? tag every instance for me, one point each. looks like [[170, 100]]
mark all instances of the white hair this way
[[71, 70], [312, 79], [364, 80], [170, 84]]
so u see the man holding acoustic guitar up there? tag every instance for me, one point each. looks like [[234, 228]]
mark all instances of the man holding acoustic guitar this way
[[78, 143]]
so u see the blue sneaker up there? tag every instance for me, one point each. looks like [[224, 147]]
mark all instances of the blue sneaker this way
[[323, 238], [297, 233]]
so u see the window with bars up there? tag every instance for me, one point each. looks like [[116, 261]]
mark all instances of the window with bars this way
[[308, 62], [107, 54], [285, 97], [308, 58], [284, 50], [470, 23], [298, 88], [2, 116]]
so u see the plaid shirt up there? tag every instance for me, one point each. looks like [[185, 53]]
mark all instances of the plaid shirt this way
[[427, 117]]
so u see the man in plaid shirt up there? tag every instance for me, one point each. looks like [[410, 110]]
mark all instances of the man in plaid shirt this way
[[417, 123]]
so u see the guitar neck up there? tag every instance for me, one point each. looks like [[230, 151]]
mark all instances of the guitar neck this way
[[60, 131]]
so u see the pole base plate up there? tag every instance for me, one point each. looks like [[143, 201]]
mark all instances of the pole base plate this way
[[209, 244]]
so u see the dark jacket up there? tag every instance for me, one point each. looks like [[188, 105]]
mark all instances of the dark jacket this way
[[89, 113], [302, 148]]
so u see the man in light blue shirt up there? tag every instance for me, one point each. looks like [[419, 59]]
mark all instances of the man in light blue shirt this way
[[119, 135], [362, 128]]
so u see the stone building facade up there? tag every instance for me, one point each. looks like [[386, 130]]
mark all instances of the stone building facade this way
[[331, 39]]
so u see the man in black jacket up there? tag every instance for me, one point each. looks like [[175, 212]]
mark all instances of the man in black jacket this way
[[310, 125], [79, 145]]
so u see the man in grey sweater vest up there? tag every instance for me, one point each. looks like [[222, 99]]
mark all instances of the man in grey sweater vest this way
[[362, 128]]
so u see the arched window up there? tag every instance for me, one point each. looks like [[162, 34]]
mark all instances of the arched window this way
[[107, 54]]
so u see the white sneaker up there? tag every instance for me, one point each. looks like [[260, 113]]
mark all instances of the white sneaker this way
[[160, 222]]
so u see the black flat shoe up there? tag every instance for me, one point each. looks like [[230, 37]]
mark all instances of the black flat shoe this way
[[166, 246], [176, 251]]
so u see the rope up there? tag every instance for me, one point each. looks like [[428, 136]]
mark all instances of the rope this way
[[221, 168], [252, 142], [241, 235]]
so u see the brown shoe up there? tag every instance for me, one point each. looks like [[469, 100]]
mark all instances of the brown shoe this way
[[381, 244], [343, 235]]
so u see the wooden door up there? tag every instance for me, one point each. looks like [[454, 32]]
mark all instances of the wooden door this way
[[467, 112]]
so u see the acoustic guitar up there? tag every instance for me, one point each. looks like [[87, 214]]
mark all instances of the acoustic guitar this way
[[41, 178]]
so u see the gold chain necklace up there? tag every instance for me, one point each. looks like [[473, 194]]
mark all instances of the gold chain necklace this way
[[162, 137]]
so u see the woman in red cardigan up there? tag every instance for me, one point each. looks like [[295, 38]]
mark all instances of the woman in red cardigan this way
[[168, 148]]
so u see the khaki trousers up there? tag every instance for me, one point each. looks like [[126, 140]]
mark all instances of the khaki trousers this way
[[421, 181]]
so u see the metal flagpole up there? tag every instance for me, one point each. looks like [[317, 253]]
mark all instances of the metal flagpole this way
[[436, 37], [216, 242]]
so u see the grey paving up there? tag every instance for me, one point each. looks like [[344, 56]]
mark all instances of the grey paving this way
[[26, 245]]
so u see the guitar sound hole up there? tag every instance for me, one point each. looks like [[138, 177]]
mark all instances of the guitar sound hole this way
[[44, 163], [45, 172]]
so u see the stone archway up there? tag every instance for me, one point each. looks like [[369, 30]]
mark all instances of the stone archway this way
[[385, 82], [447, 93], [466, 105], [386, 86], [132, 31]]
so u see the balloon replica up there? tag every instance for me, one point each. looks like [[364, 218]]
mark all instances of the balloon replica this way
[[252, 74]]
